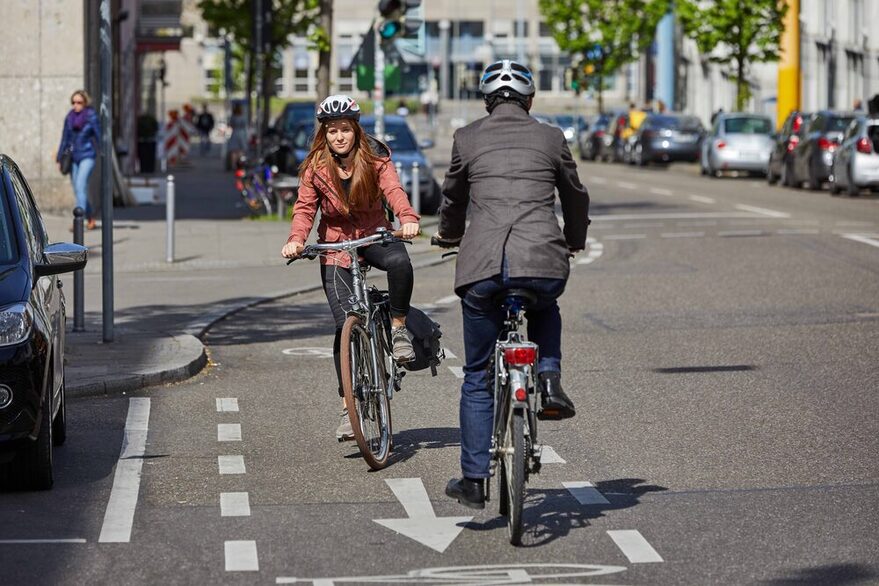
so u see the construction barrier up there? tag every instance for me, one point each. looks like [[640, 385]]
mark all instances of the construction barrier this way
[[178, 138]]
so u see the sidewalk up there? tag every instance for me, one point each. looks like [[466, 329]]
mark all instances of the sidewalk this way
[[224, 262]]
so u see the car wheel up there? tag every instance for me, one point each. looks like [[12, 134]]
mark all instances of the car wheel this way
[[33, 463], [834, 185], [787, 175], [851, 189], [771, 178]]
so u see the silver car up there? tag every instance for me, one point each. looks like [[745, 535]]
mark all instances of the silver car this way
[[856, 164], [737, 142]]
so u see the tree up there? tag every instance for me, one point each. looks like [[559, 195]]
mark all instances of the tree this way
[[322, 40], [602, 35], [750, 32]]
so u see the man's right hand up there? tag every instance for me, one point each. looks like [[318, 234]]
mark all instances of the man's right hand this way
[[292, 249]]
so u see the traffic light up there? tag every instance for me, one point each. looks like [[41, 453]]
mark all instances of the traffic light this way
[[393, 21]]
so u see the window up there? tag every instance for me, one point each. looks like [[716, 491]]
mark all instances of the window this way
[[747, 126], [8, 252], [30, 218]]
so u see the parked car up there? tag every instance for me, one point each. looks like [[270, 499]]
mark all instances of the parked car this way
[[590, 137], [665, 138], [570, 125], [737, 142], [780, 158], [33, 415], [856, 164], [613, 142], [294, 114], [812, 158]]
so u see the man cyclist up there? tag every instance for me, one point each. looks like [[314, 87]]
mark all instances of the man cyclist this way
[[506, 167]]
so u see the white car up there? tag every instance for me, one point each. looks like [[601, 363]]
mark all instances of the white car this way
[[856, 164], [737, 142]]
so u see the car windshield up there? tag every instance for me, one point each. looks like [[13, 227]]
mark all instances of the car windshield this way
[[747, 126], [675, 123], [296, 115], [397, 136], [838, 124], [564, 121], [8, 252]]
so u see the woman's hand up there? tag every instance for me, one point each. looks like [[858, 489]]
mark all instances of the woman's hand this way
[[410, 230], [292, 249]]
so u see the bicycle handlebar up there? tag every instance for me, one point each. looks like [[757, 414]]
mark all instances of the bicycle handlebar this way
[[313, 250]]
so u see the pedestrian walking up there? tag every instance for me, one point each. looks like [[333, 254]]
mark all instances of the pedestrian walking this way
[[80, 140], [205, 124], [348, 176], [238, 141]]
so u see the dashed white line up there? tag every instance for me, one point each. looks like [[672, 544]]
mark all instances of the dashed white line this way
[[549, 456], [701, 199], [119, 516], [241, 556], [231, 464], [625, 236], [799, 231], [660, 191], [634, 546], [762, 211], [28, 541], [735, 233], [671, 216], [599, 180], [626, 185], [227, 405], [862, 239], [695, 224], [643, 225], [585, 493], [446, 300], [457, 371], [234, 504], [682, 234], [229, 432]]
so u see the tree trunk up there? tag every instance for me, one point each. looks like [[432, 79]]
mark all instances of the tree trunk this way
[[267, 88], [741, 85], [325, 56], [248, 90]]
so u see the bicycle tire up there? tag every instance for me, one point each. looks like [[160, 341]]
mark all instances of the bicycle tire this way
[[514, 470], [368, 411]]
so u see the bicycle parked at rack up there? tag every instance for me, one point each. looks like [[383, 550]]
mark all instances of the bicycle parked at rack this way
[[261, 185], [370, 375]]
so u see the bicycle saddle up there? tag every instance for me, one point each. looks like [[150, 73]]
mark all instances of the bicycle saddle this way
[[526, 295]]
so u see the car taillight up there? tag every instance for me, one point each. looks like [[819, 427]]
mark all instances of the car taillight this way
[[798, 121], [792, 143], [239, 173], [864, 146], [719, 144], [520, 356], [599, 133], [826, 144]]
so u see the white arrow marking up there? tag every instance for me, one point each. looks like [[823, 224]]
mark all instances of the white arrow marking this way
[[423, 525]]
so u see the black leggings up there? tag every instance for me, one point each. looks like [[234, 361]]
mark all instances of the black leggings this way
[[338, 286]]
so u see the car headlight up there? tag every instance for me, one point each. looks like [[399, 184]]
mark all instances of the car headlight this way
[[15, 324], [569, 133]]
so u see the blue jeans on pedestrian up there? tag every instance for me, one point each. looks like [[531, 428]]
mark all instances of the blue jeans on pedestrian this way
[[79, 176], [483, 321]]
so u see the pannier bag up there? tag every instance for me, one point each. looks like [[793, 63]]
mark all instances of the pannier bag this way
[[426, 336]]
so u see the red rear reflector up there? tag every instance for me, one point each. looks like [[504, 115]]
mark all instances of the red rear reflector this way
[[864, 146], [798, 121], [239, 173], [520, 356], [521, 395], [792, 143], [720, 144]]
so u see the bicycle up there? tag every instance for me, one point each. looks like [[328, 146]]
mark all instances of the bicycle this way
[[370, 375]]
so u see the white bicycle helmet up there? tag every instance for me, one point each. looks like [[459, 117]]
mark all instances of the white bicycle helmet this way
[[338, 107], [506, 74]]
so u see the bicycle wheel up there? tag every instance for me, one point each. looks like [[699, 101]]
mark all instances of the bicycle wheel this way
[[365, 398], [513, 473]]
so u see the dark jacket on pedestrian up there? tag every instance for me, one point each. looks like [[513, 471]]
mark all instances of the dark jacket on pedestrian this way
[[82, 133], [507, 167]]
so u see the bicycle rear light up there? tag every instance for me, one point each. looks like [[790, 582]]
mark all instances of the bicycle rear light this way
[[520, 356], [521, 394]]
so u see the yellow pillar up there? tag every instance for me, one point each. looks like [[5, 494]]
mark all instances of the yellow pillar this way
[[789, 83]]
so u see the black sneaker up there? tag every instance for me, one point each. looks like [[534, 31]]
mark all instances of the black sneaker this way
[[554, 403], [470, 493]]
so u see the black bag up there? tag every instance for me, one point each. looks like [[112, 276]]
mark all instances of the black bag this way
[[66, 161], [426, 336]]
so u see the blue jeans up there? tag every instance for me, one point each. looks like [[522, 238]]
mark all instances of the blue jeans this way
[[79, 176], [483, 321]]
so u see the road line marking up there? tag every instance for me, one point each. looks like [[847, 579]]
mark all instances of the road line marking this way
[[762, 211], [862, 239], [231, 464], [660, 191], [799, 231], [736, 233], [695, 224], [861, 224], [549, 456], [446, 300], [599, 180], [457, 371], [625, 237], [449, 354], [682, 234], [119, 516], [585, 493], [626, 185], [586, 261], [229, 432], [634, 546], [671, 216], [234, 504], [227, 405], [644, 225], [241, 556], [27, 541], [701, 199]]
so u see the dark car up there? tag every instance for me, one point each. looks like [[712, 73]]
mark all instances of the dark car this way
[[32, 322], [666, 138], [294, 114], [612, 144], [812, 156], [589, 139], [780, 158]]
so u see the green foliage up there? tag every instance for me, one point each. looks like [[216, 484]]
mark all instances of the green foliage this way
[[749, 31], [602, 35], [289, 17]]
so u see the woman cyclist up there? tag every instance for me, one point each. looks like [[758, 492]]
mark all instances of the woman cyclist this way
[[349, 176]]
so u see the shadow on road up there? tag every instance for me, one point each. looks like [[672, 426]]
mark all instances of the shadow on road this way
[[838, 574], [411, 441]]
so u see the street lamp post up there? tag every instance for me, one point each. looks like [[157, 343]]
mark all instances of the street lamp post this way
[[106, 171]]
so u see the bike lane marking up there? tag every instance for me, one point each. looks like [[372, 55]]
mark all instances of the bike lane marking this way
[[458, 371], [762, 211], [585, 493], [231, 464], [241, 556], [863, 239], [228, 405], [229, 432], [119, 515], [446, 300], [549, 456], [633, 545], [234, 504]]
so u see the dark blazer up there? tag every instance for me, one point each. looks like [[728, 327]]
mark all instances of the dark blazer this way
[[85, 142], [506, 167]]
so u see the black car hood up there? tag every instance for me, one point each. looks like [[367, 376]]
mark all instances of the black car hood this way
[[14, 284]]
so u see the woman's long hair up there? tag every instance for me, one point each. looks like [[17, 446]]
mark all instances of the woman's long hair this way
[[364, 179]]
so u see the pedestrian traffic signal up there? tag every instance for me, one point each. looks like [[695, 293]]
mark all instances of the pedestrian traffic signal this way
[[393, 21]]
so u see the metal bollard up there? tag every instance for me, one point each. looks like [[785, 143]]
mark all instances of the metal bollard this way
[[169, 219], [78, 276], [399, 167], [416, 188]]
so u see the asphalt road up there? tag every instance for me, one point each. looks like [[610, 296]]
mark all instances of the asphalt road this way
[[720, 342]]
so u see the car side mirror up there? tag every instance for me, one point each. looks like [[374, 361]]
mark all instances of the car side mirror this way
[[62, 257], [425, 144]]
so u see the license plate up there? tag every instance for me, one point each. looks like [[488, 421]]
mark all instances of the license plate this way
[[685, 138]]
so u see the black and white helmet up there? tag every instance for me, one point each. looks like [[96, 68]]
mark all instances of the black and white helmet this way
[[506, 74], [338, 107]]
